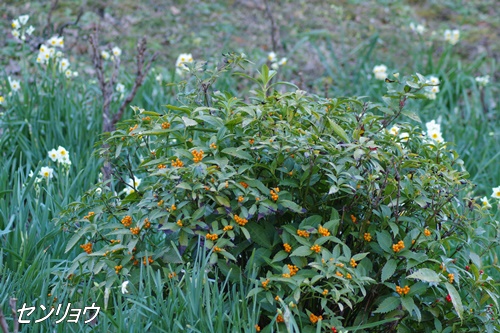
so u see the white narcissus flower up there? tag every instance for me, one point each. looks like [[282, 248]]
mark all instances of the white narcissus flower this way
[[63, 155], [380, 72], [124, 287], [282, 61], [15, 24], [451, 36], [116, 51], [485, 203], [52, 41], [105, 55], [159, 78], [483, 80], [131, 185], [182, 60], [394, 130], [53, 155], [419, 28], [120, 88], [404, 136], [63, 64], [23, 19], [30, 30], [68, 73], [15, 34], [14, 84], [496, 192], [271, 56], [47, 172]]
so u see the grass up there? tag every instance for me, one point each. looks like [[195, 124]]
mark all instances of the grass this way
[[332, 55]]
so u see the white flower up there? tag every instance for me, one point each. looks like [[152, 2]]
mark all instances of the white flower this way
[[380, 72], [404, 136], [63, 155], [394, 130], [47, 172], [432, 126], [181, 62], [105, 55], [15, 24], [30, 30], [116, 51], [430, 95], [75, 74], [54, 155], [120, 88], [159, 78], [275, 65], [271, 56], [14, 85], [59, 54], [485, 203], [451, 36], [282, 61], [63, 64], [53, 41], [483, 80], [15, 34], [23, 19], [419, 28], [131, 185], [68, 73], [496, 192], [433, 80], [124, 287]]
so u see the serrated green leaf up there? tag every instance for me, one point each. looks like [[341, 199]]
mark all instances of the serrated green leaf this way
[[388, 304], [388, 269], [409, 305], [384, 241], [280, 256], [291, 205], [425, 274]]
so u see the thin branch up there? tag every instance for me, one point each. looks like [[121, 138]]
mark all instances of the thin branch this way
[[274, 29], [67, 24], [3, 322]]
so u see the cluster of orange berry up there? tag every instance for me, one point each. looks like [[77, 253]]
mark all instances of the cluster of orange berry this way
[[172, 275], [149, 259], [325, 292], [160, 203], [316, 248], [323, 231], [265, 283], [293, 269], [353, 218], [274, 194], [216, 249], [227, 228], [353, 263], [367, 236], [398, 246], [127, 221], [212, 237], [147, 224], [87, 247], [402, 291], [257, 328], [245, 185], [213, 145], [133, 128], [280, 319], [135, 231], [118, 269], [302, 233], [147, 118], [314, 319], [177, 163], [179, 223], [113, 241], [165, 125], [161, 166], [287, 247], [339, 274], [427, 232], [197, 155], [251, 141], [240, 220], [89, 215], [241, 198], [451, 277], [349, 276]]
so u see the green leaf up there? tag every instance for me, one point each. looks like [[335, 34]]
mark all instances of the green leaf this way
[[425, 274], [389, 269], [385, 241], [291, 205], [388, 304], [237, 152], [189, 122], [338, 130], [455, 299], [280, 256], [301, 251], [222, 201], [409, 305]]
